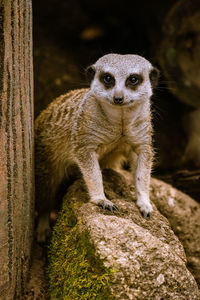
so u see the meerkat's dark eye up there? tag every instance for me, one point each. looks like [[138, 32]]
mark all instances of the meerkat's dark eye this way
[[107, 79], [133, 80]]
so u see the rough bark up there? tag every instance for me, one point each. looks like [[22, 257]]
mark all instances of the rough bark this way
[[16, 145]]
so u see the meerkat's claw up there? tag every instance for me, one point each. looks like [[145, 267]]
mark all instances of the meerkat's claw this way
[[146, 215], [115, 208], [106, 204], [146, 208]]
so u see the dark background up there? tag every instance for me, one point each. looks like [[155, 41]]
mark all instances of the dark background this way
[[70, 35]]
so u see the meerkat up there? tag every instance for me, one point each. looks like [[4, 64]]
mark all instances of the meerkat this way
[[95, 128]]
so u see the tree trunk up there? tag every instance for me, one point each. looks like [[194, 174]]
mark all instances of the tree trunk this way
[[16, 145]]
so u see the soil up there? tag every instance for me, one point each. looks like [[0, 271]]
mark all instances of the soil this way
[[36, 288]]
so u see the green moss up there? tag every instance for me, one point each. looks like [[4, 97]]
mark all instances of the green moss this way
[[74, 270]]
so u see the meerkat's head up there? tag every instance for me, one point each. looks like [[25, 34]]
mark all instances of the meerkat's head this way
[[122, 80]]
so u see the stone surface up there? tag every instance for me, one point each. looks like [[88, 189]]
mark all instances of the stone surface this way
[[149, 259], [183, 214], [16, 145], [179, 51]]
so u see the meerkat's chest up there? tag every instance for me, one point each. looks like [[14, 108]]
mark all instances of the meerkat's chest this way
[[120, 144], [123, 136]]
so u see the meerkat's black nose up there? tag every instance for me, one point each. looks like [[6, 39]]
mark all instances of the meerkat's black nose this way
[[118, 100]]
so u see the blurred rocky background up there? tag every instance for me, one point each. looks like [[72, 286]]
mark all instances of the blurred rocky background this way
[[70, 35]]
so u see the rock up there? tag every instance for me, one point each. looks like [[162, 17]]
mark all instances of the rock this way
[[132, 257], [185, 180], [192, 129], [178, 53], [183, 214]]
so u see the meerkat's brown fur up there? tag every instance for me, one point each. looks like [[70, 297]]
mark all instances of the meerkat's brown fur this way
[[96, 128]]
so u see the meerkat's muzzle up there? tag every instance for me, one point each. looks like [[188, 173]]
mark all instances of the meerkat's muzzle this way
[[118, 100]]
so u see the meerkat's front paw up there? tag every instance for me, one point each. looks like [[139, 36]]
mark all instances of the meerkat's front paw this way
[[106, 204], [145, 208]]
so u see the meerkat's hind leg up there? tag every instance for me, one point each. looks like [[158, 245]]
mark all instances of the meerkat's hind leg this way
[[47, 184], [43, 230]]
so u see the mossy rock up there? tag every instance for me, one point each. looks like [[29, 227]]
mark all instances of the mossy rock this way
[[75, 271], [97, 254]]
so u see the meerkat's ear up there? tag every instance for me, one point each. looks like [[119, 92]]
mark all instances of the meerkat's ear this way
[[90, 72], [154, 77]]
